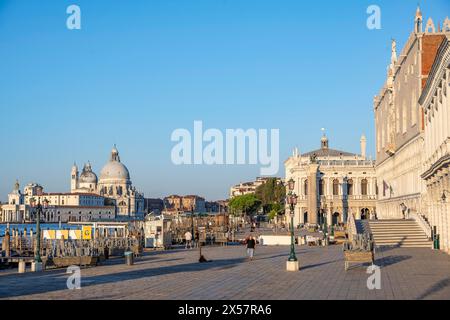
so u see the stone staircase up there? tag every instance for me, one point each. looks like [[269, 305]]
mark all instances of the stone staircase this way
[[400, 233]]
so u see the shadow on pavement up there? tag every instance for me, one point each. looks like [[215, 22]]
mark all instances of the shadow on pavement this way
[[435, 288], [48, 282], [390, 260]]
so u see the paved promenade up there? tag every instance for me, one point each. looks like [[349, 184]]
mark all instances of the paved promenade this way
[[405, 274]]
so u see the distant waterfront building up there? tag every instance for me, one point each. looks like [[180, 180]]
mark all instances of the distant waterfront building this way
[[114, 184], [400, 123], [112, 196], [249, 187], [62, 207], [15, 210], [153, 205], [220, 206], [333, 184], [435, 101], [185, 203]]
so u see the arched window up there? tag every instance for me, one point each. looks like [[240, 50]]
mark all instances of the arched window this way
[[364, 187], [335, 187], [322, 187], [350, 187], [306, 187]]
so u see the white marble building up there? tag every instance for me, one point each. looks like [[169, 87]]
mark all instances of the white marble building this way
[[62, 207], [112, 196], [114, 184], [333, 183], [399, 122], [435, 101]]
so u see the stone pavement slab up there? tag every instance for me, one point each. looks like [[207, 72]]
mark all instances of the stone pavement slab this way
[[406, 273]]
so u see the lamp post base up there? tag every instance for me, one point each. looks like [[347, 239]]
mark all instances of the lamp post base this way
[[36, 267], [292, 266]]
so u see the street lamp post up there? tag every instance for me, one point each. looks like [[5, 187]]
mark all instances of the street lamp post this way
[[192, 220], [292, 263], [37, 255]]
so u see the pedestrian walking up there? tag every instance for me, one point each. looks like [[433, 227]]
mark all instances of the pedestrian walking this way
[[188, 238], [197, 239], [251, 245]]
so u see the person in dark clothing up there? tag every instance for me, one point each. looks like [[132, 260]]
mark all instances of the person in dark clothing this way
[[251, 245], [197, 239]]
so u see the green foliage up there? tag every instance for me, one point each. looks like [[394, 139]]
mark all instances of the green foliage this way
[[246, 204], [272, 196], [272, 214]]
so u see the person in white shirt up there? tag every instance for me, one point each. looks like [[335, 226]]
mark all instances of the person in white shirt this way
[[188, 237]]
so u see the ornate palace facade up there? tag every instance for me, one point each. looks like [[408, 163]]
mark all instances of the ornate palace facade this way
[[399, 121], [435, 102], [332, 183]]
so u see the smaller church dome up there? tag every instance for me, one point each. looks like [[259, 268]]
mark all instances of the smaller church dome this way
[[88, 176]]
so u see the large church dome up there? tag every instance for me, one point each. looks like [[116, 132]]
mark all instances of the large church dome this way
[[114, 170]]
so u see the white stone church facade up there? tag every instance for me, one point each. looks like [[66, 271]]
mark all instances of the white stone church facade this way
[[114, 184], [90, 199]]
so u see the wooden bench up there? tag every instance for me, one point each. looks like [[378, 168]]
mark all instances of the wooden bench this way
[[340, 234], [63, 262], [358, 257]]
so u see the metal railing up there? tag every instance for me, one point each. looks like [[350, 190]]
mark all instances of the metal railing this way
[[424, 225]]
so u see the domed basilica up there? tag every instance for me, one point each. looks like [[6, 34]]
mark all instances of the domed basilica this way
[[114, 184]]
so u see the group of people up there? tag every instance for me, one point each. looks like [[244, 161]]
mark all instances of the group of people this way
[[192, 242]]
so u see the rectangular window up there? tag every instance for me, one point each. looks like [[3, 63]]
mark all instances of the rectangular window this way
[[414, 109], [404, 115]]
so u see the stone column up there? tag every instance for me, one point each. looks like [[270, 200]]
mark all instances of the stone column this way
[[312, 193], [329, 217], [444, 177], [358, 214]]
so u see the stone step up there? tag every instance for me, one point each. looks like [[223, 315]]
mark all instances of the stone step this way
[[393, 226], [397, 232], [396, 229], [400, 233], [395, 238], [403, 244], [407, 245], [391, 220], [400, 240]]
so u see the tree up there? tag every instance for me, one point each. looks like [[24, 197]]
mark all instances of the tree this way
[[272, 195], [246, 204], [272, 214]]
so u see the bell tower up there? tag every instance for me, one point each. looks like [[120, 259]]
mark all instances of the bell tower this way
[[74, 178]]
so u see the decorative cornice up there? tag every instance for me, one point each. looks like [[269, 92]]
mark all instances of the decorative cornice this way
[[438, 165]]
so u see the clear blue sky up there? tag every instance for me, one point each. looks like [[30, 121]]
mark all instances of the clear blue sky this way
[[140, 69]]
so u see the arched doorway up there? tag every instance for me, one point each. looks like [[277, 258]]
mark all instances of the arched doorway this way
[[335, 218], [365, 214], [305, 217]]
